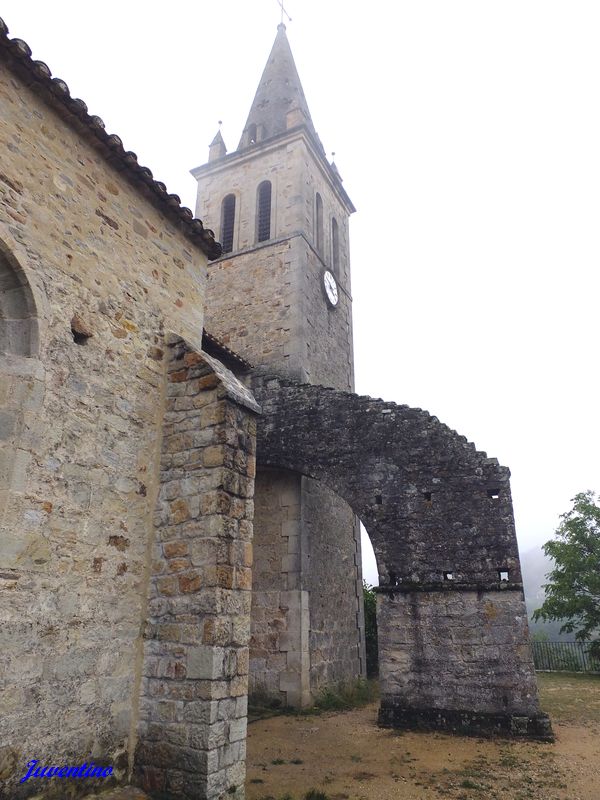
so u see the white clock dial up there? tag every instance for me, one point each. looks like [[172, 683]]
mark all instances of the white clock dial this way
[[331, 289]]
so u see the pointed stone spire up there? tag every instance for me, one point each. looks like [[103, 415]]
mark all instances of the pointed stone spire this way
[[279, 102], [216, 148]]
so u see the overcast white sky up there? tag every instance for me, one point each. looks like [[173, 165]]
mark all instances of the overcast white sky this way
[[468, 136]]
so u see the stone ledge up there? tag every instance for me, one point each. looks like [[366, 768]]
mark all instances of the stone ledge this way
[[467, 723], [407, 587]]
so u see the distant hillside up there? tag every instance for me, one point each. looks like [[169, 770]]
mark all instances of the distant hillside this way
[[535, 565]]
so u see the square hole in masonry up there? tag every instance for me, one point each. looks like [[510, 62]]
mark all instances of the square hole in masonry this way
[[448, 576], [503, 575]]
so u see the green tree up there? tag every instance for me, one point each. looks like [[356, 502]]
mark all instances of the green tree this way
[[372, 653], [573, 588]]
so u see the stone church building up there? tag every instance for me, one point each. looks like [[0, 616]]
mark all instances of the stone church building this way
[[183, 464]]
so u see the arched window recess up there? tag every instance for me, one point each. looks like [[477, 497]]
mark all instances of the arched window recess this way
[[319, 223], [335, 247], [227, 222], [18, 320], [263, 212]]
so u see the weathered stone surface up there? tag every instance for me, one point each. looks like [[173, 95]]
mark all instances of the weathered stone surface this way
[[431, 502], [195, 663], [453, 634], [83, 306]]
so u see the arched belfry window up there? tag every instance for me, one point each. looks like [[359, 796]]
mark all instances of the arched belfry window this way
[[335, 246], [263, 212], [18, 323], [319, 223], [227, 222]]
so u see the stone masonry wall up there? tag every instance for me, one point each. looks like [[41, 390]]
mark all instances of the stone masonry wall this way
[[431, 502], [326, 332], [315, 181], [194, 690], [467, 640], [454, 648], [80, 425], [306, 631], [251, 300], [280, 163], [266, 300], [279, 657], [333, 579]]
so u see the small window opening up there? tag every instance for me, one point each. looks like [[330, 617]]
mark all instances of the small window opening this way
[[227, 222], [448, 576], [503, 575], [79, 330], [263, 228], [319, 223], [394, 580], [335, 247], [378, 499], [494, 494], [427, 498]]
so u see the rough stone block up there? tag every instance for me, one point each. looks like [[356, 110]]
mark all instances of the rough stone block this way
[[205, 662]]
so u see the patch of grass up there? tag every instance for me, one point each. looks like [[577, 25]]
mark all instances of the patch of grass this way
[[363, 776], [474, 771], [356, 759], [315, 794], [508, 759], [344, 696], [570, 697], [263, 704], [467, 783], [278, 761], [256, 780]]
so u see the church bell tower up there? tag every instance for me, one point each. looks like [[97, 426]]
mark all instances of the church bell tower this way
[[280, 297]]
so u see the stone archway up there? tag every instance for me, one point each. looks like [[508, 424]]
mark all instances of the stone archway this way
[[453, 639]]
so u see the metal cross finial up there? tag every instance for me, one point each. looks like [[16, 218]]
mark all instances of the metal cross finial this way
[[283, 11]]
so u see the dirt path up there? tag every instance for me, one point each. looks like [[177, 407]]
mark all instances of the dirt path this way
[[347, 757]]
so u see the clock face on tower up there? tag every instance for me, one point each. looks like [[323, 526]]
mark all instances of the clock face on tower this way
[[331, 289]]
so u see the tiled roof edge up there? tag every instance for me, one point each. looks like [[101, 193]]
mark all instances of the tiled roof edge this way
[[56, 92], [209, 339]]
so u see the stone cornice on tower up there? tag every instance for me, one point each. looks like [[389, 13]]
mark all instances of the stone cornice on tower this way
[[281, 140]]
